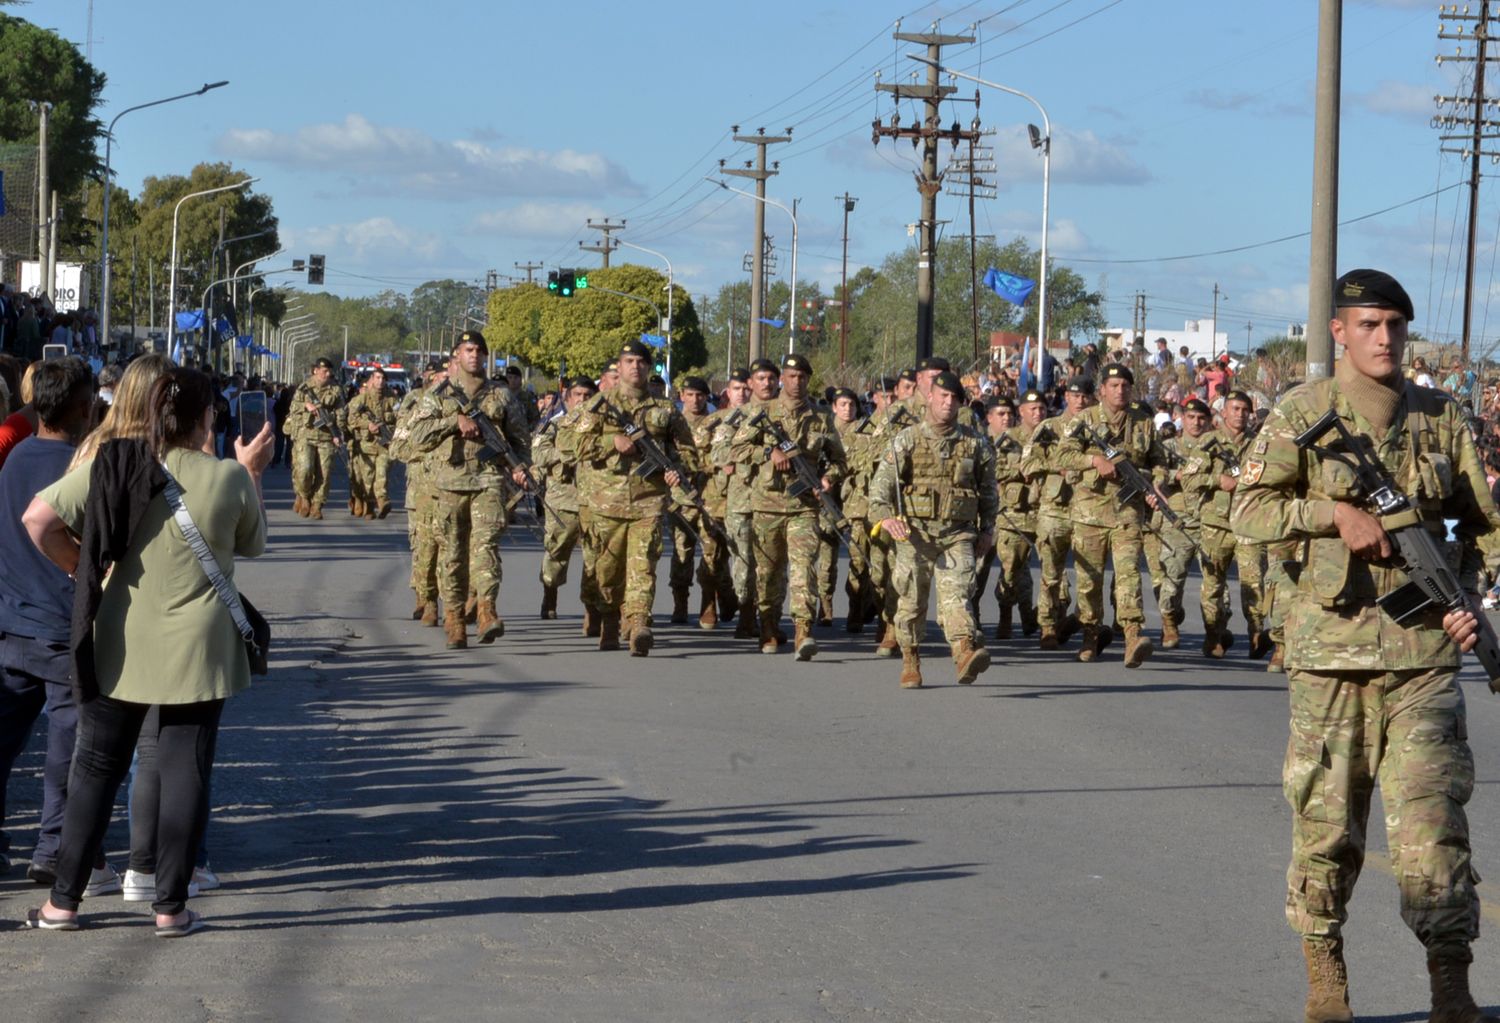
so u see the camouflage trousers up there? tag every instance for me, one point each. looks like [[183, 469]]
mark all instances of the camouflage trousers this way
[[882, 559], [1092, 546], [741, 526], [713, 571], [1406, 729], [625, 555], [563, 533], [1220, 548], [946, 557], [422, 533], [369, 468], [786, 554], [1012, 554], [312, 469], [1054, 539], [1156, 553], [1172, 582], [858, 586], [828, 564], [469, 528], [1275, 580]]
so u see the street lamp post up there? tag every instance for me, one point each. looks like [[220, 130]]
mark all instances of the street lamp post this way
[[1042, 141], [233, 280], [109, 137], [791, 344], [670, 296], [172, 279]]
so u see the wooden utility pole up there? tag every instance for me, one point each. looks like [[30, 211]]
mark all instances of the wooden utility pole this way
[[606, 245], [759, 172], [1323, 247], [848, 202], [969, 171], [1481, 129], [929, 181], [529, 268]]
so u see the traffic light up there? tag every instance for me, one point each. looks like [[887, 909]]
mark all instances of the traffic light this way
[[581, 279], [563, 283], [660, 367], [315, 269]]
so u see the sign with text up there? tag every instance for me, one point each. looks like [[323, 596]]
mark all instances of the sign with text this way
[[71, 290]]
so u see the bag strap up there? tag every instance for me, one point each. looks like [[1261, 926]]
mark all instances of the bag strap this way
[[205, 555]]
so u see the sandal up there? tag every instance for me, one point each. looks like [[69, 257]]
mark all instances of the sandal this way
[[193, 923], [36, 920]]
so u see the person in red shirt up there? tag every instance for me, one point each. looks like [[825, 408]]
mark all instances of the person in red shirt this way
[[20, 424]]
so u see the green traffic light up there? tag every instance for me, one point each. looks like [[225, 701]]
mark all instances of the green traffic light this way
[[581, 280]]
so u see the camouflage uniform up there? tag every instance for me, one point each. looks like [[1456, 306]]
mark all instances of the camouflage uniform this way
[[421, 509], [738, 521], [1054, 525], [1371, 699], [715, 555], [369, 458], [861, 452], [1189, 467], [892, 421], [1221, 547], [312, 451], [1015, 532], [947, 485], [555, 465]]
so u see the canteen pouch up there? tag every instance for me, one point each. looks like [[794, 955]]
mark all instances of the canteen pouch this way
[[961, 506], [1013, 496], [1056, 490], [1326, 574]]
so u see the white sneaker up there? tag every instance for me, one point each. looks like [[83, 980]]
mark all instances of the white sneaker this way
[[102, 881], [204, 878], [141, 887]]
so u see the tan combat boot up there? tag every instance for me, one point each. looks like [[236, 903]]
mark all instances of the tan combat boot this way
[[768, 643], [1213, 640], [430, 613], [609, 631], [1169, 635], [803, 643], [888, 647], [641, 639], [679, 605], [356, 508], [1003, 626], [370, 512], [1090, 649], [911, 669], [1138, 647], [746, 629], [471, 609], [1451, 1000], [549, 603], [969, 661], [300, 506], [315, 511], [1048, 640], [1327, 982], [453, 624], [708, 610], [490, 626]]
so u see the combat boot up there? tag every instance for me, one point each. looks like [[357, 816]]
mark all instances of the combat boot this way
[[768, 643], [356, 507], [300, 506], [416, 615], [1260, 644], [1138, 647], [969, 661], [803, 643], [1070, 625], [1028, 619], [1104, 637], [590, 622], [1090, 649], [880, 629], [1003, 626], [1451, 1000], [1049, 639], [471, 609], [641, 640], [1169, 635], [888, 647], [729, 605], [1213, 640], [315, 512], [549, 603], [780, 635], [609, 631], [370, 512], [490, 626], [1278, 660], [911, 669], [430, 613], [855, 621], [708, 613], [746, 629], [453, 623], [825, 612], [679, 605], [1226, 640], [1327, 982], [383, 510]]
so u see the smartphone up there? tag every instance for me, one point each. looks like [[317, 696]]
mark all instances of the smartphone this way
[[252, 414], [50, 352]]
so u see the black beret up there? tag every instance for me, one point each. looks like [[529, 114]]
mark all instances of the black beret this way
[[844, 392], [933, 362], [471, 337], [1196, 405], [435, 366], [1238, 395], [1080, 385], [693, 384], [656, 378], [635, 348], [999, 402], [587, 384], [887, 384], [513, 371], [1140, 406], [612, 366], [1117, 370], [765, 366], [1031, 396], [742, 375], [948, 381], [323, 362], [795, 361], [1373, 288], [909, 375]]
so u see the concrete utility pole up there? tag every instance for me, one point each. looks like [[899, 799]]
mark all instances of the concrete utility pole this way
[[1213, 338], [604, 247], [529, 268], [1323, 257], [1481, 130], [848, 202], [43, 192], [929, 181], [759, 172]]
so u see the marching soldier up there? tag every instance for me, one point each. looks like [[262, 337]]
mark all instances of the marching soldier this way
[[1371, 698], [895, 416], [1191, 485], [370, 417], [316, 407], [1054, 523], [421, 502], [1238, 415], [857, 434], [934, 493], [470, 492], [761, 384], [1015, 529], [694, 393], [626, 508], [583, 474], [1221, 547], [786, 527], [556, 469]]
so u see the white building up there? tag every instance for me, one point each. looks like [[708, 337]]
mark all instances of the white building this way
[[1197, 335]]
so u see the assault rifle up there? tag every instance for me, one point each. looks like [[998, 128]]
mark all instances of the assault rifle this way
[[1132, 483], [496, 447], [325, 422], [1429, 579], [807, 478], [1226, 454]]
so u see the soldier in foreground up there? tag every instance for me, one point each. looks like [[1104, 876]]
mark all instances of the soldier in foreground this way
[[1372, 698], [421, 501], [694, 393], [934, 493], [557, 471], [1054, 524], [317, 406], [1192, 483]]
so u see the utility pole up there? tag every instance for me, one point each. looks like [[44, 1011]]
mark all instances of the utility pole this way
[[759, 172], [1138, 317], [604, 247], [491, 280], [1481, 129], [848, 202], [929, 181], [1213, 338], [529, 268], [1249, 326], [969, 171], [43, 108], [1323, 256]]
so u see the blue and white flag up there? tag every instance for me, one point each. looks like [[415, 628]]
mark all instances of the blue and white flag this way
[[1024, 382], [773, 323], [1015, 290], [653, 340]]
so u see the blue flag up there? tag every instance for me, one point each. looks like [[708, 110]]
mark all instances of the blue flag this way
[[653, 340], [1015, 290], [773, 323]]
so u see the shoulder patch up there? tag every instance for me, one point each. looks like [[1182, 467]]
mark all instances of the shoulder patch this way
[[1252, 472]]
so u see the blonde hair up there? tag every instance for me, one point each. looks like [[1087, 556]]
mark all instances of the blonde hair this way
[[26, 383], [130, 412]]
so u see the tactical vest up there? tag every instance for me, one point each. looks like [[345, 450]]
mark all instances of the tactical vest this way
[[944, 475]]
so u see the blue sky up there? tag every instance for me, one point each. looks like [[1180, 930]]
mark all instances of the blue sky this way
[[409, 142]]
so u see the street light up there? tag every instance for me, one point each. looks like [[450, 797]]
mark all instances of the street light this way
[[109, 137], [664, 259], [172, 284], [791, 344], [1039, 140]]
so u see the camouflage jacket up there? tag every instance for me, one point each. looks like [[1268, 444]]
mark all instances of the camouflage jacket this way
[[713, 483], [816, 439], [453, 460], [613, 486], [916, 406], [554, 460], [1039, 467], [946, 480], [363, 410], [862, 449], [1222, 448], [736, 484], [1095, 499], [1289, 493], [300, 421], [1194, 475], [1018, 494]]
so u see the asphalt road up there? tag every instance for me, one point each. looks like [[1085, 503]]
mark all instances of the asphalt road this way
[[540, 831]]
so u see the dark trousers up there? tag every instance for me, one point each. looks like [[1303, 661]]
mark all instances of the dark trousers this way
[[107, 734], [22, 697], [145, 802]]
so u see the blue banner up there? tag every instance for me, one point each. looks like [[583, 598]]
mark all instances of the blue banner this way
[[773, 323], [653, 340], [244, 341], [1015, 290], [190, 320]]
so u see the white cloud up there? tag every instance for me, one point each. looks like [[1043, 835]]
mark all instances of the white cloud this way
[[376, 242], [1078, 157], [388, 159], [538, 219], [1398, 99]]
